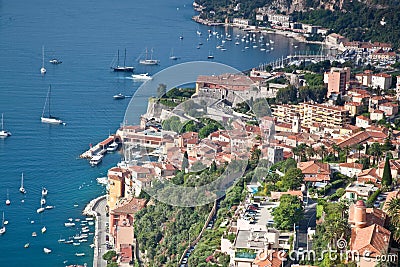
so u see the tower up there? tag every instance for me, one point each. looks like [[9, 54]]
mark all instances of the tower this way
[[296, 123], [360, 214], [398, 87]]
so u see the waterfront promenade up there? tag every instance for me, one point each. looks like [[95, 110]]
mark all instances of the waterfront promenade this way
[[97, 209]]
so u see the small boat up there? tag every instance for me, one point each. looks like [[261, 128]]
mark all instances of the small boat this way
[[55, 61], [90, 223], [83, 240], [95, 160], [42, 201], [92, 245], [22, 189], [32, 222], [119, 96], [148, 61], [44, 192], [5, 222], [172, 57], [76, 243], [43, 69], [49, 118], [80, 254], [61, 240], [210, 56], [46, 250], [3, 133], [112, 147], [141, 77], [26, 245], [8, 202], [44, 229], [3, 228], [68, 242], [102, 180], [69, 224], [123, 68], [40, 210], [49, 207], [34, 234]]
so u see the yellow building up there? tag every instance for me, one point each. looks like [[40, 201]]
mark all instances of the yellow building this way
[[116, 183]]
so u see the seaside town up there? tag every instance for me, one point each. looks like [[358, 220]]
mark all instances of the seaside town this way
[[320, 136]]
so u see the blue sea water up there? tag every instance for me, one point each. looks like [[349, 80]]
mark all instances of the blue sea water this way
[[85, 35]]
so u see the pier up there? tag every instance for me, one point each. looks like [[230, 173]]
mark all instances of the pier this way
[[100, 148]]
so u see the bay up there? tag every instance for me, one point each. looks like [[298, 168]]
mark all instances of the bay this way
[[85, 35]]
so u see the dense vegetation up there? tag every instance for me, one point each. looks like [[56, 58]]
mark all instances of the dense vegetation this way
[[357, 20]]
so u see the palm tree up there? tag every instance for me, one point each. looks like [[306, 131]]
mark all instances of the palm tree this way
[[393, 210], [323, 151], [375, 151], [359, 147], [337, 149], [310, 152], [346, 149]]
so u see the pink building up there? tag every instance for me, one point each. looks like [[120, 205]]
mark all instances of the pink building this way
[[336, 79]]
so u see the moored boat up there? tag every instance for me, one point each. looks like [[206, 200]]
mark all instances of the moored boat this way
[[49, 118], [44, 229], [148, 61], [80, 254], [46, 250], [95, 160], [55, 61], [112, 147], [44, 192]]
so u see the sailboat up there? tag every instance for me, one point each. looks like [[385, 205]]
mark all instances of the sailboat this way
[[3, 228], [210, 55], [150, 61], [43, 69], [3, 133], [49, 118], [22, 189], [8, 202], [172, 57], [123, 68]]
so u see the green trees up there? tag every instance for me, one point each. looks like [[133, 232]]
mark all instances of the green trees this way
[[289, 212], [287, 95], [110, 257], [387, 174], [393, 211], [185, 161], [292, 179]]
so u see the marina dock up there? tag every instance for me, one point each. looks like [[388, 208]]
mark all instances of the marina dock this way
[[100, 148]]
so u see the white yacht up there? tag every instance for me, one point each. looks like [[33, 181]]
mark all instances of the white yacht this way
[[49, 118], [3, 133], [96, 159], [112, 147], [141, 77], [148, 61], [46, 250]]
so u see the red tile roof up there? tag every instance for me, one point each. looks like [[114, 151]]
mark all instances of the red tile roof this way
[[374, 239], [133, 206]]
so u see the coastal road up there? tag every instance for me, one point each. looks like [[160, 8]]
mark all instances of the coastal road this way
[[100, 208]]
